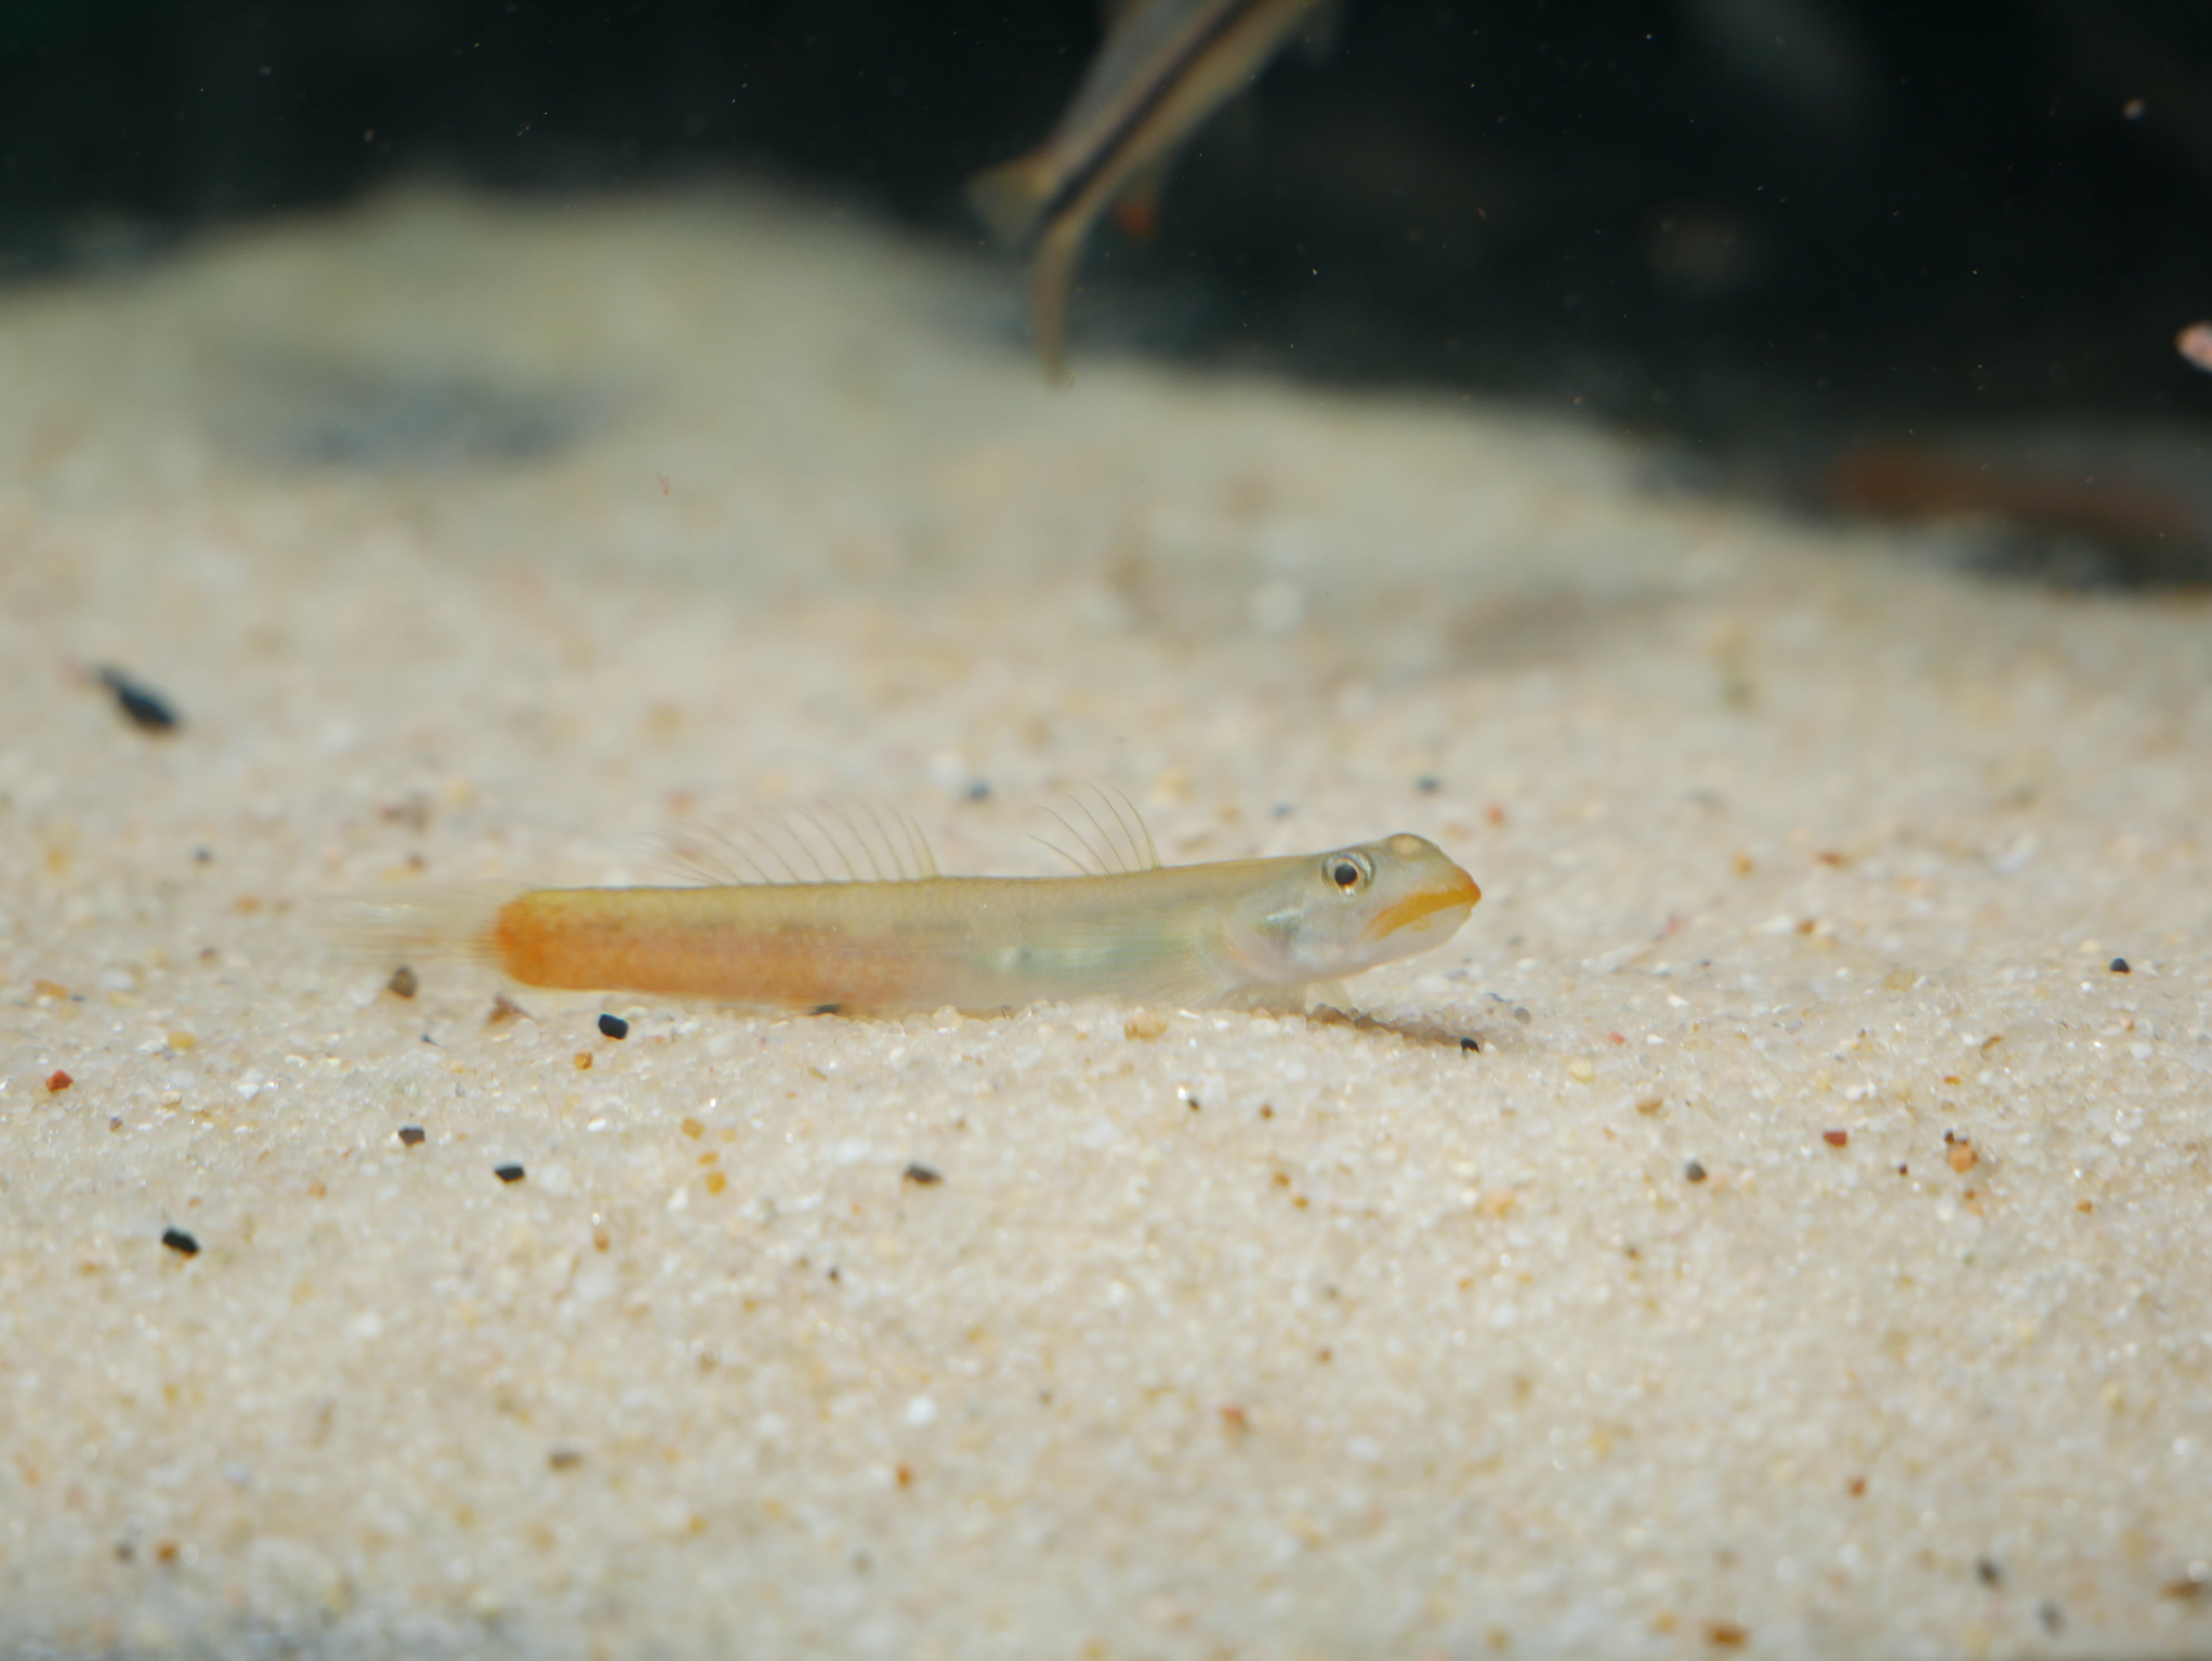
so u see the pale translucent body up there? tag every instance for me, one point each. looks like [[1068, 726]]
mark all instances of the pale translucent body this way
[[1255, 931]]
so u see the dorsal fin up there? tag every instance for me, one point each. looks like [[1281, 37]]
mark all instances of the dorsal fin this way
[[1108, 832], [832, 838]]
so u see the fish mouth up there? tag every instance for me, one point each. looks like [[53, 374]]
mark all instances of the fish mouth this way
[[1460, 895]]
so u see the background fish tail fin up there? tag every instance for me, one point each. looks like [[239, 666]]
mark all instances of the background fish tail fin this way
[[1011, 198]]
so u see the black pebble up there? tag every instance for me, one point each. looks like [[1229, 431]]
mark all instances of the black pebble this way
[[146, 708], [2118, 966], [403, 984], [1694, 1171], [180, 1243], [921, 1176], [614, 1026], [507, 1173], [1472, 1045], [412, 1134]]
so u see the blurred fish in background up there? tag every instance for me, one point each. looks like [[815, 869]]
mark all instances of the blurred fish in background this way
[[1165, 66], [2080, 504], [2082, 501]]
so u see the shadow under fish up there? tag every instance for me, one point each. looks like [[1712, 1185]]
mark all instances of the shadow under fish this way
[[1166, 65]]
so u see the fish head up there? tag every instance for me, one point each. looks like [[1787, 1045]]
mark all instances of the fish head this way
[[1339, 913]]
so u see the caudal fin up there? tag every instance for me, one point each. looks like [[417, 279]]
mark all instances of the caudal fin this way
[[423, 923], [1011, 198]]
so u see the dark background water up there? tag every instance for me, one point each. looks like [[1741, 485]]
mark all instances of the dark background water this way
[[1741, 221]]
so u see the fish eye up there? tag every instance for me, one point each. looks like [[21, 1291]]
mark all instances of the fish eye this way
[[1349, 871]]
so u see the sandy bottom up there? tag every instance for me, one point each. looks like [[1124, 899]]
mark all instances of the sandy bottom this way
[[1813, 1260]]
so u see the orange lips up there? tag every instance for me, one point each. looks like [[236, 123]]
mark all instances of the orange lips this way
[[1457, 895]]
